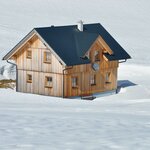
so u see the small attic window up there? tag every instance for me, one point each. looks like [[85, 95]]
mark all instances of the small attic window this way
[[47, 57], [97, 55], [29, 54], [86, 56]]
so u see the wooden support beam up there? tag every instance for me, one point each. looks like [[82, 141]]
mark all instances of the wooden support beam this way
[[104, 44]]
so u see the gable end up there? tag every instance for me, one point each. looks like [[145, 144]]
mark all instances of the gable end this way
[[25, 40]]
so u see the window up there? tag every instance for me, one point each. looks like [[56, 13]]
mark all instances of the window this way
[[47, 57], [29, 54], [48, 81], [97, 56], [93, 79], [29, 78], [108, 77], [87, 55], [74, 82]]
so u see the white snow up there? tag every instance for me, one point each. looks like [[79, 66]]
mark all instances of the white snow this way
[[8, 72], [120, 121], [128, 21]]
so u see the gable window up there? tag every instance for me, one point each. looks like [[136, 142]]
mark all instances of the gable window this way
[[29, 54], [47, 57], [48, 81], [108, 77], [74, 82], [93, 79], [87, 55], [97, 55], [29, 78]]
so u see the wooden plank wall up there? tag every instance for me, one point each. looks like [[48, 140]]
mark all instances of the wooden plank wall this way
[[83, 73], [36, 63], [38, 83], [38, 69], [84, 86]]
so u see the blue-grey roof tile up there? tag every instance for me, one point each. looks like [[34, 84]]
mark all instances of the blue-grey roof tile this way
[[70, 44]]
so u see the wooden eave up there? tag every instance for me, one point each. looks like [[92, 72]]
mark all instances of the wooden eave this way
[[19, 45], [103, 44], [30, 35], [50, 48]]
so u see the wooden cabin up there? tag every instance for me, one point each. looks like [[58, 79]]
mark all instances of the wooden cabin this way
[[67, 61]]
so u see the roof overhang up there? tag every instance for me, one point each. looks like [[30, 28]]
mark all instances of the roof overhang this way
[[101, 41], [24, 41], [19, 45], [108, 53], [50, 48], [105, 45]]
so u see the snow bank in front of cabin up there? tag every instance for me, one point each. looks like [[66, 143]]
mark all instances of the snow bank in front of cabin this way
[[38, 122]]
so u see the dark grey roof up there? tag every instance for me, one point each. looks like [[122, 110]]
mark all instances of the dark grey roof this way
[[70, 44]]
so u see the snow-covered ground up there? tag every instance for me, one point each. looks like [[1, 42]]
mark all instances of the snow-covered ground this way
[[122, 121]]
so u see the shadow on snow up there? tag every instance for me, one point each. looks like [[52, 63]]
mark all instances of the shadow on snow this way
[[124, 84]]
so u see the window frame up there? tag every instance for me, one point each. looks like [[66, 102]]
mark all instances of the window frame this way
[[29, 78], [48, 85], [27, 54], [97, 55], [45, 57], [108, 77], [93, 79], [74, 84]]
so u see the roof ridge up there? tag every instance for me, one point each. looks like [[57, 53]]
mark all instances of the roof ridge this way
[[60, 26]]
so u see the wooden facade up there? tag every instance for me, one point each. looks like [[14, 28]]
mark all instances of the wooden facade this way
[[33, 71], [38, 69], [85, 72]]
